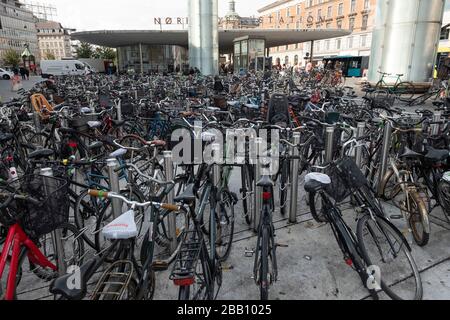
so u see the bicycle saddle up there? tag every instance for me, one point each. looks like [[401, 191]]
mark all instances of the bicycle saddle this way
[[315, 182], [5, 137], [265, 181], [122, 228], [410, 154], [94, 124], [187, 196], [39, 154], [118, 123], [60, 285], [435, 155], [118, 153]]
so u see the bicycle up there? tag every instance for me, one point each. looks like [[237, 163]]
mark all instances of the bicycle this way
[[377, 241], [404, 90]]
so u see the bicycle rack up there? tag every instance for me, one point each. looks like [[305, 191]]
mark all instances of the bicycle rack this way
[[329, 139], [295, 152], [387, 137], [359, 133], [257, 194], [185, 265], [115, 281], [168, 168]]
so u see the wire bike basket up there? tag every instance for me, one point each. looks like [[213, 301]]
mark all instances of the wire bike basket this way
[[37, 220]]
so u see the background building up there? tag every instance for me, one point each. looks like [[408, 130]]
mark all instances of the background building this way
[[354, 15], [54, 40], [232, 20], [17, 28]]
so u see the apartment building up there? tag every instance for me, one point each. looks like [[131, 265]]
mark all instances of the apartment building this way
[[355, 15], [54, 40], [17, 28]]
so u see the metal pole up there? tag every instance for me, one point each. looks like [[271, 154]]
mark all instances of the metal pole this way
[[168, 168], [295, 152], [141, 58], [257, 195], [359, 134], [119, 110], [435, 127], [387, 137], [329, 140], [37, 125], [112, 165], [58, 248]]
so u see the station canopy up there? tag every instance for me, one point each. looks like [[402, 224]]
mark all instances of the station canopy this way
[[273, 37]]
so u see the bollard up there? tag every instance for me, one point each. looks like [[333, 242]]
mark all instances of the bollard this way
[[168, 168], [37, 125], [136, 94], [112, 165], [64, 120], [329, 140], [119, 110], [257, 195], [435, 127], [387, 137], [359, 134], [58, 247], [295, 152]]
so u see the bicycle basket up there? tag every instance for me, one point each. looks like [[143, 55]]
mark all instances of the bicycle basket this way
[[345, 177], [38, 220]]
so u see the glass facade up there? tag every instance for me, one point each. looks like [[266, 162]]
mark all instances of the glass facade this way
[[249, 54], [155, 58], [17, 28]]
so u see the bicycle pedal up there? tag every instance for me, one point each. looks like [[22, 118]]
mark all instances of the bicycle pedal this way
[[281, 245], [396, 217], [249, 253], [160, 266]]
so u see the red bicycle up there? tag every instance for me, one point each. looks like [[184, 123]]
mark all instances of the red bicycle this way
[[30, 215]]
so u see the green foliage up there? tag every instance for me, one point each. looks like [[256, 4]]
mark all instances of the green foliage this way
[[85, 51], [49, 56], [11, 57], [104, 53]]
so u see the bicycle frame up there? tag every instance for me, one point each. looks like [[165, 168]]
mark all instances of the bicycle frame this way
[[18, 243]]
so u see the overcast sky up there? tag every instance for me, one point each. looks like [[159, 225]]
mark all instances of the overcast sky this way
[[133, 14]]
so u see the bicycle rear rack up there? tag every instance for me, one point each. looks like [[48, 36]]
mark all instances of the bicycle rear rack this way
[[185, 265], [114, 281]]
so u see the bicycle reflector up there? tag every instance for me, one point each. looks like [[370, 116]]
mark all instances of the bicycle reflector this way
[[267, 196], [184, 281], [73, 144]]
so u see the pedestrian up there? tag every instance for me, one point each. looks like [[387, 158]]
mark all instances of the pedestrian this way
[[16, 82], [22, 73], [27, 73]]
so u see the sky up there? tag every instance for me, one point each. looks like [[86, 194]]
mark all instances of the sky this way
[[85, 15]]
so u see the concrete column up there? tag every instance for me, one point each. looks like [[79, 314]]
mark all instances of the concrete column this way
[[141, 58], [405, 38], [204, 36]]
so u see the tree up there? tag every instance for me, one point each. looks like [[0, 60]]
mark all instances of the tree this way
[[11, 57], [85, 50], [104, 53], [49, 56]]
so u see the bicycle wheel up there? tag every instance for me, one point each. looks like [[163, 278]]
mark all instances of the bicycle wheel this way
[[315, 202], [200, 289], [405, 91], [247, 191], [383, 246], [73, 248], [225, 225], [444, 197], [264, 266], [418, 221]]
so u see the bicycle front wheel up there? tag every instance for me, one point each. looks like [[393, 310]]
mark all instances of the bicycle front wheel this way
[[405, 91], [383, 247]]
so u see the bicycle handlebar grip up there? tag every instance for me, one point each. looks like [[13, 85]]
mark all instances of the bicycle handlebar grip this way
[[170, 207], [98, 193]]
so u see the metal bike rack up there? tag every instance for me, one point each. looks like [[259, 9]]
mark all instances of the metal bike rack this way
[[64, 121], [359, 134], [37, 125], [387, 137], [329, 139], [295, 152], [113, 165], [435, 127], [257, 194], [58, 247], [119, 110], [168, 168]]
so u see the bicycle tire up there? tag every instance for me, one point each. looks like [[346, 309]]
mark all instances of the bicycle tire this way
[[385, 228], [264, 267], [419, 218], [317, 215], [247, 202], [405, 91], [227, 212]]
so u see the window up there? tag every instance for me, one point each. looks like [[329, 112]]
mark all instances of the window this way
[[288, 12], [339, 24], [352, 6], [319, 14], [351, 24], [298, 10], [327, 45], [366, 4], [365, 20], [329, 25], [286, 60], [350, 42], [363, 40], [329, 12], [296, 60], [287, 47], [341, 9], [338, 44], [309, 3]]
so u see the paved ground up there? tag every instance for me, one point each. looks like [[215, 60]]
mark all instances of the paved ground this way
[[310, 263], [6, 92]]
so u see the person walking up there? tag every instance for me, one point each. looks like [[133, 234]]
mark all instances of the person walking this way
[[27, 73], [16, 82], [22, 73]]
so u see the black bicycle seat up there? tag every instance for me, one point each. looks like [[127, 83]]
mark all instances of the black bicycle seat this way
[[265, 181], [410, 154], [40, 154], [60, 285], [435, 155], [314, 186], [118, 123], [187, 196]]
